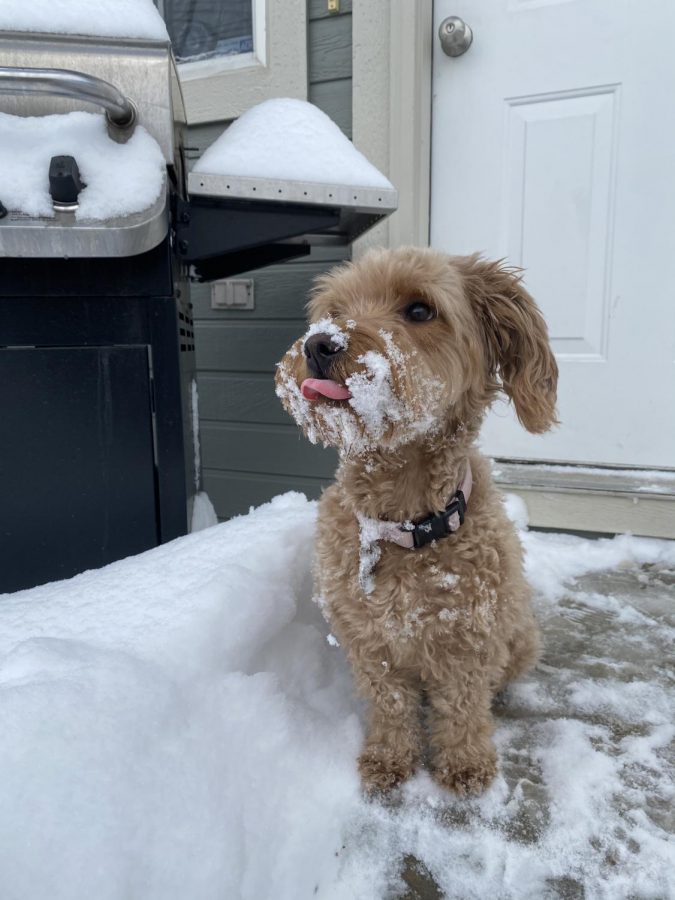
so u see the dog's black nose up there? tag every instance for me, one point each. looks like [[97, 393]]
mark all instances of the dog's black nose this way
[[321, 352]]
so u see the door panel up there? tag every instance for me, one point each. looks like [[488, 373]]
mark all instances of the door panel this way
[[558, 212], [553, 141]]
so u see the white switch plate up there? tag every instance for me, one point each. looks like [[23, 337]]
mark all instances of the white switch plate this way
[[233, 293]]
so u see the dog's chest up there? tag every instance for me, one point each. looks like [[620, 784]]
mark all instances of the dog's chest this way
[[404, 596], [413, 596], [421, 592]]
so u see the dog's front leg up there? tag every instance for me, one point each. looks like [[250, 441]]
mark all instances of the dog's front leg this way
[[392, 748], [463, 755]]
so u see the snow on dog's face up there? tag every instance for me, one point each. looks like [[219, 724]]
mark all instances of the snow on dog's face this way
[[403, 342]]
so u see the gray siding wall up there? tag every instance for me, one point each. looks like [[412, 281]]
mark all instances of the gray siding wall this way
[[251, 450]]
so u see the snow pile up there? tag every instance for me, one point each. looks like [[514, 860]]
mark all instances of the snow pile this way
[[171, 726], [180, 724], [290, 140], [104, 18], [203, 512], [120, 178]]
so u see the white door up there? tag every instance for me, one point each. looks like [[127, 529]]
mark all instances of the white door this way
[[554, 146]]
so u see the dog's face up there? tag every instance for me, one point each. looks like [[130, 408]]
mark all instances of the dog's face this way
[[404, 343]]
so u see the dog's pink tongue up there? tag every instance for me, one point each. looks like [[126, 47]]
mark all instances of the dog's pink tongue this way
[[313, 388]]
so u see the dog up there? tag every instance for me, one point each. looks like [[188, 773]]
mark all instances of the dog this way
[[418, 570]]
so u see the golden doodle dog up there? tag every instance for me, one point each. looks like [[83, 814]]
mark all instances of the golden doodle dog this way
[[418, 569]]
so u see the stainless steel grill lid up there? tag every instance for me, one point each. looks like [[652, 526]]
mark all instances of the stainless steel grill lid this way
[[141, 71], [135, 84]]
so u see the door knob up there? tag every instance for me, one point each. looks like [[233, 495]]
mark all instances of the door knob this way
[[455, 36]]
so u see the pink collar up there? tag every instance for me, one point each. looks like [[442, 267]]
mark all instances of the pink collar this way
[[413, 535]]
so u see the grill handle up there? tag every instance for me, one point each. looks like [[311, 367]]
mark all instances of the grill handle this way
[[119, 110]]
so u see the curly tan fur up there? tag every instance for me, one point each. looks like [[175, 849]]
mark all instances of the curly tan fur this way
[[450, 623]]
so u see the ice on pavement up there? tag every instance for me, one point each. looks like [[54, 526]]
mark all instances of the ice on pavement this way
[[120, 179], [177, 725], [291, 140]]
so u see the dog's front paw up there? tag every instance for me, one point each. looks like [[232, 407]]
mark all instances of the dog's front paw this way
[[383, 768], [463, 774]]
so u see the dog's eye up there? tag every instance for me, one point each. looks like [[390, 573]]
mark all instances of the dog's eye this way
[[419, 312]]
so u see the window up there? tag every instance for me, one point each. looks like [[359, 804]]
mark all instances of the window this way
[[235, 53], [205, 29]]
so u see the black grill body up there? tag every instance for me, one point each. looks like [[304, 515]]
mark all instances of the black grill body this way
[[96, 453]]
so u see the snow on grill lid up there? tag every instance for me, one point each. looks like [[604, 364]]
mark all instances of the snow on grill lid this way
[[121, 179], [104, 18], [290, 140]]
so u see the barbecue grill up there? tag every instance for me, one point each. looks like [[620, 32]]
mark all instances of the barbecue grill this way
[[97, 456]]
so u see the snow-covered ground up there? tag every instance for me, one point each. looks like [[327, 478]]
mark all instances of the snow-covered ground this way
[[177, 725]]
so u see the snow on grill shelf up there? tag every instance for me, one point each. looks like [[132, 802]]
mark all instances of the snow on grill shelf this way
[[289, 140], [290, 151], [178, 725]]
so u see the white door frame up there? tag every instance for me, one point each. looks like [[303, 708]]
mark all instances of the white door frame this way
[[391, 99], [392, 89]]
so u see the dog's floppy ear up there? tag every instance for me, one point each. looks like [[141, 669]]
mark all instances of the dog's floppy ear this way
[[516, 339]]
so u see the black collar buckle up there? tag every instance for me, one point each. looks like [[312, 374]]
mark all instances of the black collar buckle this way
[[438, 526]]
